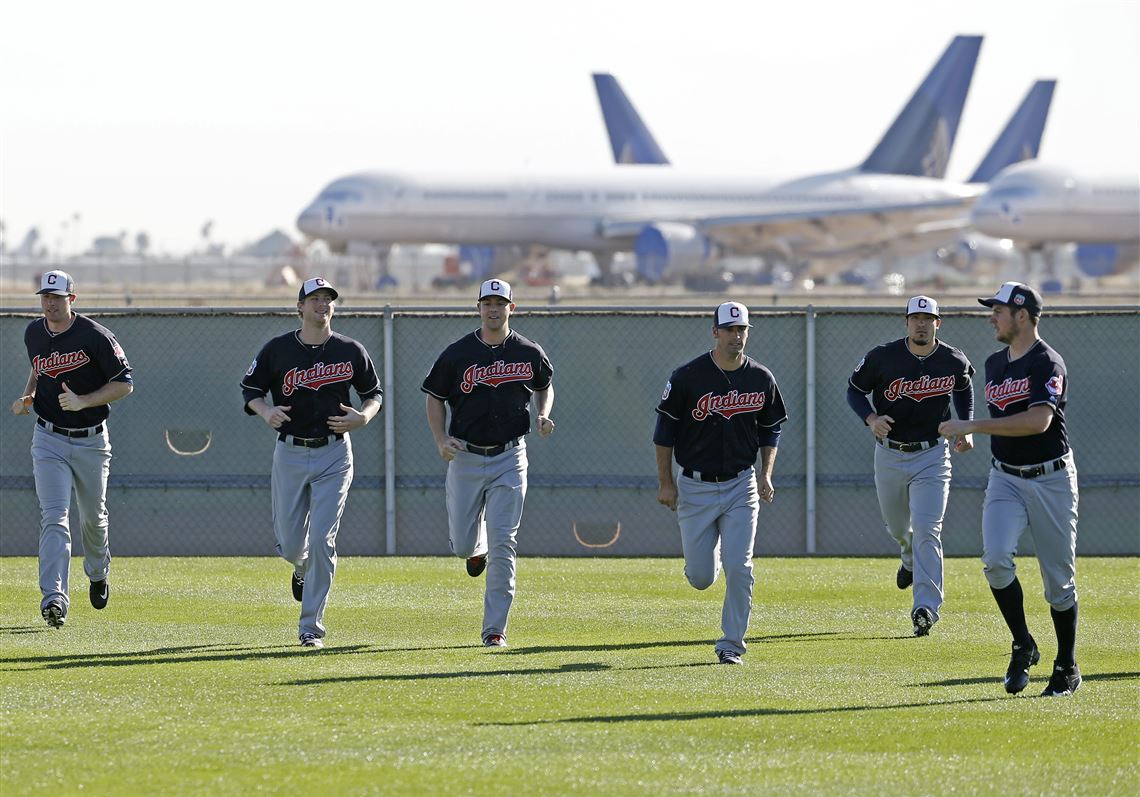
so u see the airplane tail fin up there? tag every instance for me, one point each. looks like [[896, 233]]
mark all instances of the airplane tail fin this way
[[629, 137], [918, 143], [1021, 138]]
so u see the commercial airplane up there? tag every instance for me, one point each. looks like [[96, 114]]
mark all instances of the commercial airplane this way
[[672, 219], [1041, 206], [1020, 139]]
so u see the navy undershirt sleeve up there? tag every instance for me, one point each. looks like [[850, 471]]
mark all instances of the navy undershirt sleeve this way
[[770, 438], [963, 404], [861, 405]]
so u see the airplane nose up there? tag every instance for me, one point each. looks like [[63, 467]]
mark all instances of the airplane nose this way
[[309, 222]]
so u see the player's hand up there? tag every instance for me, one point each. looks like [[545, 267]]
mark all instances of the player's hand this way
[[767, 491], [351, 419], [70, 401], [881, 426], [449, 449], [950, 429], [22, 405], [277, 416], [667, 496], [545, 426], [963, 443]]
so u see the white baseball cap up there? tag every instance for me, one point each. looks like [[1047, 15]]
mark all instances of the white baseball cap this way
[[314, 285], [58, 282], [922, 304], [1016, 295], [731, 314], [495, 287]]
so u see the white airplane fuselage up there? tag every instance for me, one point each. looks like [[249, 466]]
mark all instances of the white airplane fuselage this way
[[1035, 203], [604, 211]]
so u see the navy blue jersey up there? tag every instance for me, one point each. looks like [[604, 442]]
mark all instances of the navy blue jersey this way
[[312, 380], [1036, 377], [719, 414], [913, 390], [86, 356], [489, 387]]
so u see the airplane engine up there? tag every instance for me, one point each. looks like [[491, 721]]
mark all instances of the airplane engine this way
[[1104, 260], [980, 254], [670, 248]]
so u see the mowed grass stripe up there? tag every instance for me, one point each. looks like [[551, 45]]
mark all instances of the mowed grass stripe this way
[[192, 682]]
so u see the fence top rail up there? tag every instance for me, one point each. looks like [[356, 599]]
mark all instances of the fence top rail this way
[[569, 310]]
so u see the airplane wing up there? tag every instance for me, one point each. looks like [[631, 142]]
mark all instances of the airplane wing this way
[[818, 230]]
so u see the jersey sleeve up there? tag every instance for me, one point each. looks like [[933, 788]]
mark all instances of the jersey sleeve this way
[[672, 404], [258, 379], [440, 380], [866, 373], [544, 370], [364, 379], [774, 412], [112, 360], [1048, 382], [962, 379]]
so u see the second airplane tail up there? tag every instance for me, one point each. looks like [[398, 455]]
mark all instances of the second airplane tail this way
[[630, 139], [1021, 138]]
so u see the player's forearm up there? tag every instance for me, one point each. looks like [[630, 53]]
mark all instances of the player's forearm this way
[[544, 401], [1034, 420], [259, 406], [30, 388], [664, 464], [436, 418], [767, 461], [370, 409], [110, 392]]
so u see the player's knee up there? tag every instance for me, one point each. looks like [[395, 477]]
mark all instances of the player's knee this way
[[702, 579], [1061, 598], [999, 569]]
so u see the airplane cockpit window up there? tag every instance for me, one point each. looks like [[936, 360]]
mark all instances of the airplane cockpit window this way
[[1012, 192], [340, 195]]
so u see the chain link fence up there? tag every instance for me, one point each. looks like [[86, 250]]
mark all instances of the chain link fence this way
[[190, 472]]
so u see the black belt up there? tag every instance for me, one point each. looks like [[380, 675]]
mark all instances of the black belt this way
[[1033, 471], [908, 448], [709, 477], [492, 451], [51, 427], [308, 442]]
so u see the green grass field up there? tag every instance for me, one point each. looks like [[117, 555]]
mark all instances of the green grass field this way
[[192, 682]]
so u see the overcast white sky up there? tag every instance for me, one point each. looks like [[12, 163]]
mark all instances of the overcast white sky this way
[[157, 116]]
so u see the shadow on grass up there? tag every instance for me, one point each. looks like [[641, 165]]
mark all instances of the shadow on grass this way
[[670, 643], [421, 676], [996, 679], [221, 652], [682, 716]]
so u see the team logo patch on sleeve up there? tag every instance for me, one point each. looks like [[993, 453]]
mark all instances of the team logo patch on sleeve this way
[[861, 364], [252, 367], [1055, 385], [668, 390]]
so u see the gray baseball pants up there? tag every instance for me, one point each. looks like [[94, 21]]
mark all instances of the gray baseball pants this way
[[310, 487], [718, 528], [1047, 506], [485, 498], [913, 488], [62, 464]]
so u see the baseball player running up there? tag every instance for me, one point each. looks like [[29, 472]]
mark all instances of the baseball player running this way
[[307, 373], [1032, 484], [716, 412], [488, 378], [78, 368], [911, 381]]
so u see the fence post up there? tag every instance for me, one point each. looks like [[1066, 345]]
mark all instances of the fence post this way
[[809, 424], [389, 437]]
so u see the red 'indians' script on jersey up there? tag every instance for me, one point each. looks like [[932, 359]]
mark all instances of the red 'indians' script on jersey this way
[[495, 374], [918, 389], [727, 405], [316, 377], [1009, 391], [58, 362]]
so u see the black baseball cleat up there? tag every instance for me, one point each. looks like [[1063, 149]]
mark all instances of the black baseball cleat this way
[[1063, 682], [494, 640], [476, 565], [99, 593], [1020, 660], [311, 642], [923, 621], [729, 657], [54, 614], [904, 578], [298, 586]]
